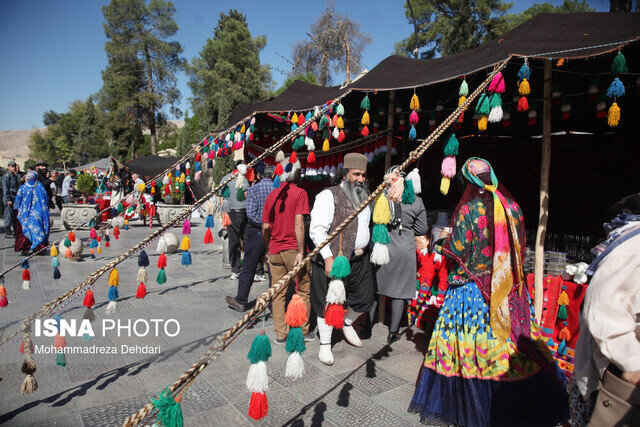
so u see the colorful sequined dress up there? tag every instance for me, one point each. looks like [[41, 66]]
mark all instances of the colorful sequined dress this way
[[469, 377]]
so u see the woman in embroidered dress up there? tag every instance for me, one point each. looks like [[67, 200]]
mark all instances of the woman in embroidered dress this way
[[487, 363], [32, 229]]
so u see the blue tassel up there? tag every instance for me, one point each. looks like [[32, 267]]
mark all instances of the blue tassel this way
[[93, 243], [55, 262], [209, 221], [143, 259], [412, 133], [307, 117], [524, 72], [562, 348], [616, 89], [57, 319], [550, 343], [183, 168], [113, 293], [25, 263], [276, 182], [56, 273], [198, 168], [86, 337], [294, 127], [288, 168], [186, 258], [210, 164], [126, 226]]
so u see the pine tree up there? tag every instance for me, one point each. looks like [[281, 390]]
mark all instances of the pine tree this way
[[90, 141], [143, 61], [228, 70]]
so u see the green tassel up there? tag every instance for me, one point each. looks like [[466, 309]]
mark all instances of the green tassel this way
[[340, 268], [260, 349], [495, 101], [619, 65], [365, 104], [482, 107], [162, 277], [226, 192], [61, 359], [380, 234], [169, 411], [562, 312], [464, 89], [240, 195], [295, 341], [326, 134], [409, 194], [298, 143], [340, 110], [451, 149], [67, 242], [120, 208], [324, 120], [183, 187]]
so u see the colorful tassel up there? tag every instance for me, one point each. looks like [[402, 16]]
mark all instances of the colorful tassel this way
[[524, 88], [169, 410], [186, 258], [613, 116], [381, 211], [186, 244], [408, 194], [162, 277], [143, 259], [142, 291], [523, 104], [452, 146], [464, 89], [616, 89], [497, 84], [415, 103], [186, 227], [619, 65]]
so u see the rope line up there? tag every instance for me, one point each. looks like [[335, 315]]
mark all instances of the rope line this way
[[215, 350]]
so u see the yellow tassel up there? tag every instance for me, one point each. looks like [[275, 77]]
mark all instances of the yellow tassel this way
[[613, 116], [183, 178], [170, 175], [153, 190], [54, 251], [186, 243], [524, 88], [482, 123], [325, 145], [243, 129], [114, 278], [563, 299], [99, 250], [340, 124], [365, 118], [294, 119], [461, 101], [415, 103], [126, 222], [381, 212], [444, 185]]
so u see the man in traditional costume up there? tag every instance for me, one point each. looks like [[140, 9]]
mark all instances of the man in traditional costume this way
[[341, 274]]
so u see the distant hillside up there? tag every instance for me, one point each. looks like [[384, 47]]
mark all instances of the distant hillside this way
[[14, 144]]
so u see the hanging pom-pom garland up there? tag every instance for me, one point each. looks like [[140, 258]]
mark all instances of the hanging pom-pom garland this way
[[524, 74], [448, 171], [380, 237], [414, 105], [257, 379], [114, 281], [295, 317], [3, 295], [26, 275], [169, 410], [365, 104]]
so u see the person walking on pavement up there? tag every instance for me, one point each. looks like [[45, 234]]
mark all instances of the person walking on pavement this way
[[254, 248], [283, 231], [67, 185], [10, 185], [234, 194]]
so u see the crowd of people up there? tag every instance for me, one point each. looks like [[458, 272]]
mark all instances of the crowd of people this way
[[487, 362]]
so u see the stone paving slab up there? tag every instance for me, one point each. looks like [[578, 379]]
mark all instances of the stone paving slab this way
[[371, 385]]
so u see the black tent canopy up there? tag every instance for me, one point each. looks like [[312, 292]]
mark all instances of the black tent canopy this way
[[150, 165]]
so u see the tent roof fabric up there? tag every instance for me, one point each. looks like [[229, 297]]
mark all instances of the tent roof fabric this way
[[102, 164], [547, 35], [150, 165]]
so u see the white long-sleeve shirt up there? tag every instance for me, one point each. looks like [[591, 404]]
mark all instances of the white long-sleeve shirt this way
[[322, 218], [611, 316]]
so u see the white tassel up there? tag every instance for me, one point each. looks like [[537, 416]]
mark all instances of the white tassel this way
[[565, 108], [380, 254], [336, 293], [495, 115], [601, 106], [336, 132], [197, 176], [26, 285], [257, 379], [533, 113], [279, 157], [142, 275], [187, 165], [162, 245], [111, 308], [414, 177], [295, 366], [242, 168], [309, 143], [165, 180], [240, 181]]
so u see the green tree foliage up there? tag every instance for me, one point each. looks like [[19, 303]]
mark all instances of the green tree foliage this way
[[228, 70], [90, 144], [445, 27], [50, 118], [191, 133], [86, 184], [221, 167], [140, 78], [308, 77]]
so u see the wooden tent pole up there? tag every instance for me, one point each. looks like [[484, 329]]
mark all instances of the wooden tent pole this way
[[544, 191], [390, 114]]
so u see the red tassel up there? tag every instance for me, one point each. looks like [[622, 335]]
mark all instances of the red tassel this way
[[565, 115], [68, 253], [116, 232], [533, 121], [296, 314], [601, 114], [107, 244], [294, 157], [258, 406], [279, 171], [334, 315], [89, 300], [162, 261], [250, 175], [523, 104], [365, 131], [208, 237], [72, 236], [311, 158], [59, 341], [142, 291], [301, 119], [341, 136], [25, 274], [461, 117]]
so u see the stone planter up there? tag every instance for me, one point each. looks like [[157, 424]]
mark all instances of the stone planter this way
[[74, 214], [167, 212]]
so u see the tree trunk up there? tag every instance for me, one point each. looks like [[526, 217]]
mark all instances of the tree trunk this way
[[348, 67], [152, 106], [543, 217], [620, 6], [324, 69]]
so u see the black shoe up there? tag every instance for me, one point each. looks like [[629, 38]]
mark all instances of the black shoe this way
[[366, 328], [235, 305], [393, 337], [278, 341]]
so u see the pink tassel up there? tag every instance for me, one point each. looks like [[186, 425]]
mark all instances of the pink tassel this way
[[186, 227], [92, 233], [212, 154], [413, 118], [448, 167], [237, 146], [497, 84]]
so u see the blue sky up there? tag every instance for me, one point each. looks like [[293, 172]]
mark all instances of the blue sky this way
[[52, 51]]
